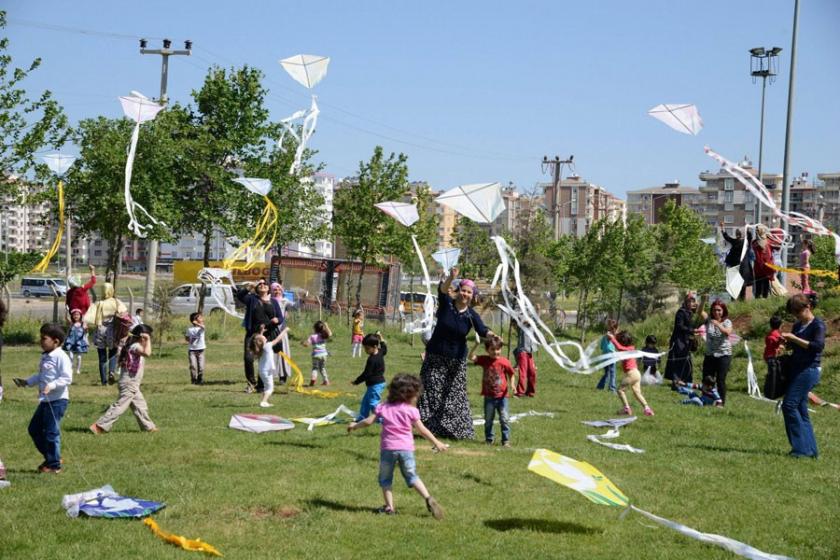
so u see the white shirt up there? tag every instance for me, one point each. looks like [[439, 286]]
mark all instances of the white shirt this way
[[195, 336], [267, 365], [56, 372]]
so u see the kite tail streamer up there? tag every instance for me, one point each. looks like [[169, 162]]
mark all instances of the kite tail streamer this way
[[736, 547], [809, 272], [45, 262], [134, 224], [296, 382], [260, 243], [196, 545], [424, 324]]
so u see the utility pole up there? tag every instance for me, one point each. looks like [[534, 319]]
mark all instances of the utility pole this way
[[555, 166], [152, 247], [789, 124]]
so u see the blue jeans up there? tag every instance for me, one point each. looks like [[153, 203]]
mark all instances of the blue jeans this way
[[373, 395], [106, 356], [798, 426], [608, 379], [45, 430], [492, 405], [388, 460]]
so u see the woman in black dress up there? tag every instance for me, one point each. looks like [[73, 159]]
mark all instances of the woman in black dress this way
[[260, 311], [679, 366], [444, 407]]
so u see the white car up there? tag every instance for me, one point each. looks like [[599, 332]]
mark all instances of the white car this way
[[185, 298]]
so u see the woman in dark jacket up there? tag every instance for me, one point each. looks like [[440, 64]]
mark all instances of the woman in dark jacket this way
[[260, 311], [444, 407], [679, 366], [807, 338]]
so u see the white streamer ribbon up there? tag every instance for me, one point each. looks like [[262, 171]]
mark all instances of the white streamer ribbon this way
[[134, 224], [517, 417], [214, 277], [425, 323], [325, 420]]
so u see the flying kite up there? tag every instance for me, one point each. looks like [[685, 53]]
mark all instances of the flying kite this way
[[301, 136], [480, 202], [259, 423], [58, 164], [139, 109], [306, 69], [265, 233], [446, 258], [406, 214], [682, 118], [589, 481]]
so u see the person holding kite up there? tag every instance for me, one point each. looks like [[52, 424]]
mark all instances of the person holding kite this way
[[261, 313], [762, 271], [444, 407], [679, 366], [807, 338]]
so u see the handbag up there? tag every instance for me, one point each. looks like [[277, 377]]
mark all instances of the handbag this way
[[778, 377]]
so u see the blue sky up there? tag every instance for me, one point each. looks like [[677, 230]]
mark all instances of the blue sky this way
[[476, 91]]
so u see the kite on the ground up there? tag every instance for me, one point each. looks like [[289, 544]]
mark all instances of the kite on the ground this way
[[480, 202], [265, 233], [105, 502], [306, 69], [194, 545], [479, 421], [681, 117], [309, 120], [589, 481], [611, 423], [58, 164], [325, 420], [613, 433], [139, 109], [447, 258], [259, 423]]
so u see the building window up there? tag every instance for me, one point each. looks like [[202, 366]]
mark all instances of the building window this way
[[729, 196], [711, 196], [573, 210], [729, 184], [729, 219]]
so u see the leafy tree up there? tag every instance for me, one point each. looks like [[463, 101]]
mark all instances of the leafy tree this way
[[367, 232], [637, 291], [686, 261], [823, 259], [13, 263], [478, 255], [534, 251], [26, 125]]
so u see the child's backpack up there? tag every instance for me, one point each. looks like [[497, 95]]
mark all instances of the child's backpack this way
[[778, 377]]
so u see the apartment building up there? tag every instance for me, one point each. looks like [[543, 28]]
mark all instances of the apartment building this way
[[324, 184], [724, 199], [577, 204], [648, 202]]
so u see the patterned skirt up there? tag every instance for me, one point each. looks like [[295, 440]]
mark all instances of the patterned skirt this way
[[444, 407]]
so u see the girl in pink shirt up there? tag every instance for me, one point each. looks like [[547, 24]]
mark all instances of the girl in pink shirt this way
[[398, 416], [624, 342]]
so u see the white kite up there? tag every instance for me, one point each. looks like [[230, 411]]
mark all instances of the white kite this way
[[404, 212], [259, 423], [306, 69], [301, 135], [58, 164], [325, 420], [447, 258], [139, 109], [682, 118], [480, 202], [215, 278]]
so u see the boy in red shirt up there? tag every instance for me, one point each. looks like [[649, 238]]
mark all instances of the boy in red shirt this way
[[774, 346], [498, 371]]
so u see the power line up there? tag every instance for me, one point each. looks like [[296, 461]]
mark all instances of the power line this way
[[77, 30]]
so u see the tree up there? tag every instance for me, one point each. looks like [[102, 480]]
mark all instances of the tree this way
[[533, 249], [823, 259], [686, 261], [366, 231], [26, 125], [14, 263], [478, 255], [94, 194]]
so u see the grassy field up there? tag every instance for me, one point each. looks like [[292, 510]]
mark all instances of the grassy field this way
[[300, 494]]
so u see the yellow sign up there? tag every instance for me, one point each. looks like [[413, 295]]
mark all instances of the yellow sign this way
[[577, 475], [186, 272]]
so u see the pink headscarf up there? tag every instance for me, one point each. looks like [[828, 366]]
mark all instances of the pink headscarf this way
[[466, 282]]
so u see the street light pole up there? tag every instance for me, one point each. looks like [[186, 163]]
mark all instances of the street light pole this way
[[762, 65], [789, 124], [165, 53]]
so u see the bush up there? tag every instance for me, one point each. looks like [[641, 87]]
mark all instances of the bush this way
[[21, 331]]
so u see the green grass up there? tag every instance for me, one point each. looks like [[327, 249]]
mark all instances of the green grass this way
[[302, 494]]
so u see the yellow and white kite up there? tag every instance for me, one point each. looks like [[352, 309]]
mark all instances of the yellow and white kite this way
[[254, 249], [58, 164]]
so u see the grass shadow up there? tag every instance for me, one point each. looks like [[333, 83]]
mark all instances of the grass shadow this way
[[300, 444], [77, 429], [721, 449], [541, 526], [336, 506], [221, 382], [472, 478]]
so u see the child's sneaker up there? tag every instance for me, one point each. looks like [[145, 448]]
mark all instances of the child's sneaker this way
[[648, 411], [627, 411], [384, 510], [264, 404], [311, 382], [434, 508], [325, 383]]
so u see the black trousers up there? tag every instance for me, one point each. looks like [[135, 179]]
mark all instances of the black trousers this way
[[718, 368], [761, 289], [248, 358]]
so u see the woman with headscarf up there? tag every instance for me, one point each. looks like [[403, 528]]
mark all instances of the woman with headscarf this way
[[277, 294], [763, 258], [77, 296], [261, 312], [807, 338], [106, 337], [679, 366], [444, 407]]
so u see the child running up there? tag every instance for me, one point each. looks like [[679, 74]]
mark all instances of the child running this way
[[318, 341], [358, 333], [623, 342], [607, 380], [709, 395], [494, 387], [373, 375], [524, 355], [194, 336], [264, 348], [398, 415], [76, 344], [55, 374], [132, 360]]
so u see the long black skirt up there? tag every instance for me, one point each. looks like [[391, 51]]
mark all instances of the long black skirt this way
[[444, 407]]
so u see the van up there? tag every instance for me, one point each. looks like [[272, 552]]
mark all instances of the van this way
[[42, 287], [185, 298], [414, 301]]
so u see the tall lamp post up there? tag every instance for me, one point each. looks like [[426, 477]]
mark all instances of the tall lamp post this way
[[763, 64]]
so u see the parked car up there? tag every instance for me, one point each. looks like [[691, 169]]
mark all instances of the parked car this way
[[42, 287], [185, 298]]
